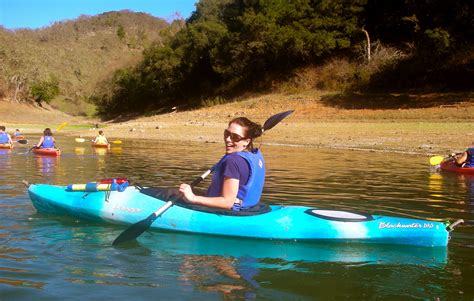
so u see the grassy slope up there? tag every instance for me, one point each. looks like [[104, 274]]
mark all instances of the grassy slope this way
[[80, 53]]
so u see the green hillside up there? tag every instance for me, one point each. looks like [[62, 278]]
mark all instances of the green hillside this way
[[75, 55]]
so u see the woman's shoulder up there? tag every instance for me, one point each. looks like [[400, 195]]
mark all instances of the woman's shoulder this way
[[235, 157]]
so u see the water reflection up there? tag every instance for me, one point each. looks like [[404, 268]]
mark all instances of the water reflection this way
[[100, 151], [179, 266], [47, 165], [79, 150]]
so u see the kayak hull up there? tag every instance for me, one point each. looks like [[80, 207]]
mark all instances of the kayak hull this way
[[54, 152], [6, 146], [450, 166], [100, 145], [281, 223]]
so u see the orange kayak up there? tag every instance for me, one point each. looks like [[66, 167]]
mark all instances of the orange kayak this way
[[47, 151], [99, 145]]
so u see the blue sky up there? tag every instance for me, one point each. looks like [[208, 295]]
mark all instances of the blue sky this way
[[40, 13]]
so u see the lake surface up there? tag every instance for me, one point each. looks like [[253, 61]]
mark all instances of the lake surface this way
[[45, 257]]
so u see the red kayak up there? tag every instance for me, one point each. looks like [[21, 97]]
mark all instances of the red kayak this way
[[449, 165], [6, 145], [47, 151]]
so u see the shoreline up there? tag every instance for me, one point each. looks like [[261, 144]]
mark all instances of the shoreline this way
[[428, 131]]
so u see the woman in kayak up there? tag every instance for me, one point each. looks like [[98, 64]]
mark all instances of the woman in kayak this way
[[17, 135], [467, 158], [4, 137], [238, 178], [47, 140], [100, 139]]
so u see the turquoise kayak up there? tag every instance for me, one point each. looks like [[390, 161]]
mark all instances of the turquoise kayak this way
[[298, 223]]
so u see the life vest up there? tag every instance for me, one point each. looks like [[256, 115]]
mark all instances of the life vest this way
[[250, 192], [47, 142], [17, 134], [470, 157], [4, 138]]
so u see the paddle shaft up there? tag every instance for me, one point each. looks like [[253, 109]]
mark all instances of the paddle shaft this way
[[193, 184], [138, 228]]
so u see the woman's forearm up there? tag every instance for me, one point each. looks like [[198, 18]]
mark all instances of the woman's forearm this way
[[216, 202]]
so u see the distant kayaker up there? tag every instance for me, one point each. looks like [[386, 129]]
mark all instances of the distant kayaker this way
[[466, 159], [47, 140], [238, 178], [17, 133], [4, 137], [100, 139]]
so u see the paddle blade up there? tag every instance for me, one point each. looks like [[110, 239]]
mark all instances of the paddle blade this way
[[80, 140], [22, 141], [116, 142], [61, 126], [135, 230], [436, 160], [275, 119]]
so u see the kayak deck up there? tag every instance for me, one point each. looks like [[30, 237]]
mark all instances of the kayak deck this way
[[281, 223]]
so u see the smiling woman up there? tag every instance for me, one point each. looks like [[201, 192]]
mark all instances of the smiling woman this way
[[238, 178]]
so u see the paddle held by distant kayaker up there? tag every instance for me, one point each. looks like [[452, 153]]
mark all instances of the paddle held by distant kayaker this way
[[238, 178], [47, 140]]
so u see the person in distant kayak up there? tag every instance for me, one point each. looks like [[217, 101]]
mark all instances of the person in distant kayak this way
[[100, 139], [17, 133], [47, 140], [4, 137], [466, 159], [238, 178]]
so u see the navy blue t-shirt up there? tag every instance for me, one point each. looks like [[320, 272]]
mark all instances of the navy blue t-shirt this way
[[234, 167]]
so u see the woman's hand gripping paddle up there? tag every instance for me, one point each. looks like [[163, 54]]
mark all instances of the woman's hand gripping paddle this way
[[138, 228]]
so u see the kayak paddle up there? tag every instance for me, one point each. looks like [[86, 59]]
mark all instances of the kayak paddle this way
[[61, 126], [22, 141], [81, 140], [138, 228], [436, 160]]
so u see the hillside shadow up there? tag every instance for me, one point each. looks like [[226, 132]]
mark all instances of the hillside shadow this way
[[376, 101]]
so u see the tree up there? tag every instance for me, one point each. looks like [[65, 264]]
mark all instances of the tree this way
[[45, 90], [121, 32]]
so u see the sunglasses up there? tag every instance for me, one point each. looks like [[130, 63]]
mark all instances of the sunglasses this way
[[234, 137]]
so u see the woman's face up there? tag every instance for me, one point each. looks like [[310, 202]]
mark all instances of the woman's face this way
[[235, 138]]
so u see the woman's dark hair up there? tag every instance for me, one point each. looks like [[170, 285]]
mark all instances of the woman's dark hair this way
[[101, 132], [252, 130], [47, 132], [2, 127]]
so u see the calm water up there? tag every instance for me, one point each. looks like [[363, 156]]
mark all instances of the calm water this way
[[44, 257]]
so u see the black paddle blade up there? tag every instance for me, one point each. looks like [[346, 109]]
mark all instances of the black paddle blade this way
[[135, 230], [22, 141], [275, 119]]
